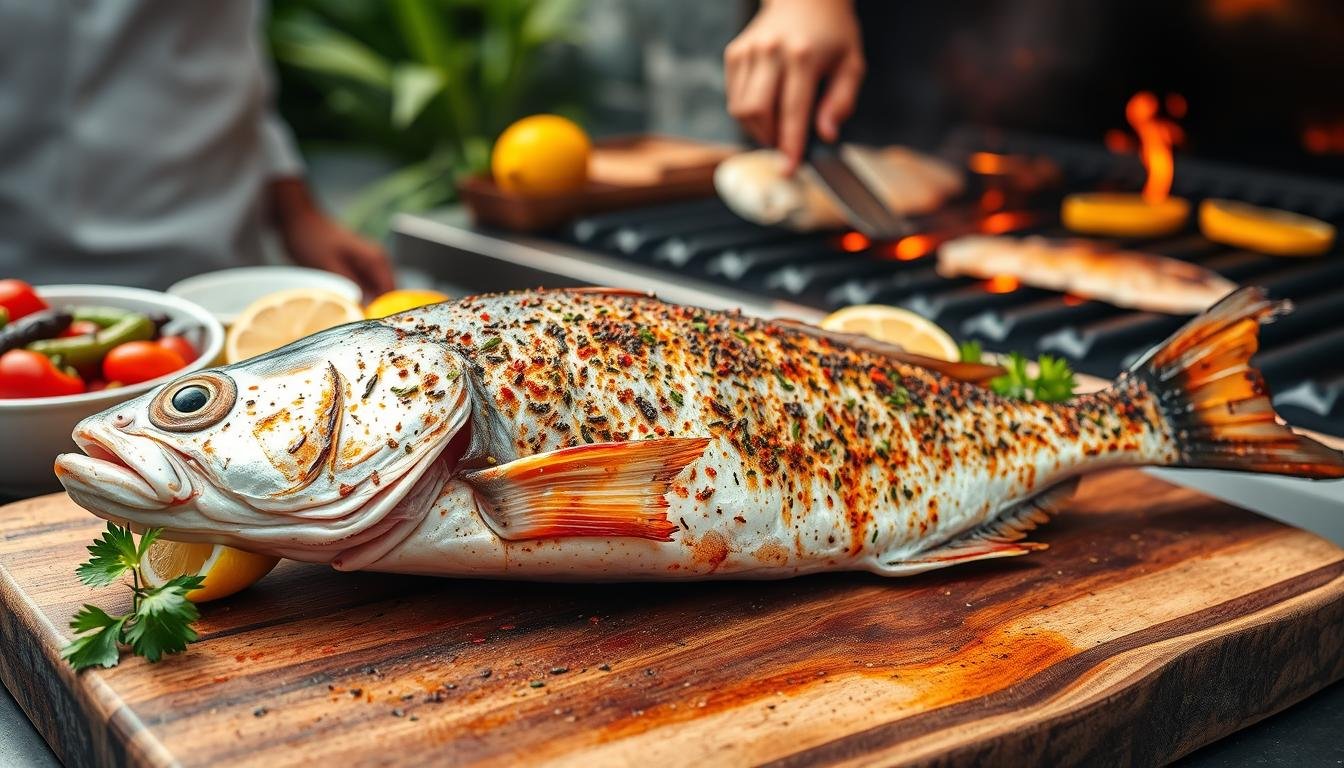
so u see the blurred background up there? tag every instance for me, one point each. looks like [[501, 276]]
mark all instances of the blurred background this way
[[393, 101]]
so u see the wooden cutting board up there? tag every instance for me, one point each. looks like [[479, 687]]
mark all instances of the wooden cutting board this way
[[1158, 620]]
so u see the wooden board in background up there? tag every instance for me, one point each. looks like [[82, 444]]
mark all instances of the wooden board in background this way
[[1159, 620]]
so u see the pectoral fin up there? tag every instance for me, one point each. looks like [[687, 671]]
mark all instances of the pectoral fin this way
[[599, 490]]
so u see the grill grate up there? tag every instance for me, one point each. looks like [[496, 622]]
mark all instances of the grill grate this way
[[1302, 355]]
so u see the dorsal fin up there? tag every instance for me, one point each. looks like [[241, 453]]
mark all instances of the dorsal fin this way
[[599, 290], [975, 373]]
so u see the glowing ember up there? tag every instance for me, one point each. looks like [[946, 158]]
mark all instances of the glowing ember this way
[[853, 242], [1118, 141], [1005, 221], [987, 164], [912, 247], [992, 200], [1073, 301], [1156, 135], [1177, 106], [1002, 284], [1324, 138]]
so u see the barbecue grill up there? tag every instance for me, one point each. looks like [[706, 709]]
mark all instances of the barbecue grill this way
[[700, 252]]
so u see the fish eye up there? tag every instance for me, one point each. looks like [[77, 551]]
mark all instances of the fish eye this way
[[193, 403], [191, 398]]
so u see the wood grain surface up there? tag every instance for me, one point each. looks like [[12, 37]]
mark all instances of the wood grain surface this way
[[1158, 620]]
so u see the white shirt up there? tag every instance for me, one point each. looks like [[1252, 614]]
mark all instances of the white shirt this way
[[135, 139]]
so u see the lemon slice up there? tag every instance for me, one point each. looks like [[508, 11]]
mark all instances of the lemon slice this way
[[1123, 215], [226, 570], [1266, 230], [279, 318], [392, 302], [894, 325]]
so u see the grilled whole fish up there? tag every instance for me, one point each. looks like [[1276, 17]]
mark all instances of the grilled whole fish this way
[[608, 435]]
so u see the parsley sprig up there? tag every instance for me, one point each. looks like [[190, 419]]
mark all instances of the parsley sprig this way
[[1054, 381], [160, 618]]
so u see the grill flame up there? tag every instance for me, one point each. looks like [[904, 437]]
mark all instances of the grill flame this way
[[1156, 137]]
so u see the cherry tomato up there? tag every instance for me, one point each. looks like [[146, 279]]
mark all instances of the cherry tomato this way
[[19, 299], [179, 345], [24, 373], [137, 361], [80, 328]]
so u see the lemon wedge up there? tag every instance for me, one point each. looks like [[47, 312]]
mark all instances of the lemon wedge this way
[[279, 318], [1266, 230], [392, 302], [1116, 214], [915, 334], [226, 570]]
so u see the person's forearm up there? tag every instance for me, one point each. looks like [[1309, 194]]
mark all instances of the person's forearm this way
[[287, 200]]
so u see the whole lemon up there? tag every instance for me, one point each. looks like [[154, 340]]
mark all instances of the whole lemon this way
[[541, 155], [392, 302]]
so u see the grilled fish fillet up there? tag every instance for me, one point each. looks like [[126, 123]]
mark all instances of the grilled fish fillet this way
[[1086, 268], [910, 183]]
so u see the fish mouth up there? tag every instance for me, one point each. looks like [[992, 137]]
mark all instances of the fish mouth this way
[[124, 471]]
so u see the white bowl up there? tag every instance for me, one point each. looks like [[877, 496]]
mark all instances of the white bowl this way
[[227, 292], [34, 430]]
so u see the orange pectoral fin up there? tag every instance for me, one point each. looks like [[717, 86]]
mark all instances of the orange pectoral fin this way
[[604, 490]]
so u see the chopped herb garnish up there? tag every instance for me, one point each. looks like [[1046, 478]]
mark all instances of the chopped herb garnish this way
[[850, 403], [835, 484], [899, 396], [1053, 383], [676, 397], [405, 392], [821, 421], [648, 337], [491, 343], [783, 382], [700, 325], [970, 351], [160, 618], [741, 336], [797, 430]]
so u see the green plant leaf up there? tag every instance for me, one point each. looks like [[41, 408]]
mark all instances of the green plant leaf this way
[[96, 650], [162, 621], [91, 617], [548, 21], [970, 351], [371, 210], [111, 556], [413, 86], [306, 42]]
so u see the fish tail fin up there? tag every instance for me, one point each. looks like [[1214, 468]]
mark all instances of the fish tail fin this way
[[1215, 403]]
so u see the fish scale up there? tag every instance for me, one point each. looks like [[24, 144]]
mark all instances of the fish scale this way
[[600, 434], [822, 456]]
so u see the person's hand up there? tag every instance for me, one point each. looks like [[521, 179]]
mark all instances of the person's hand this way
[[314, 239], [773, 67]]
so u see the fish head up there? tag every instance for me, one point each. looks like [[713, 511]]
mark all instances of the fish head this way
[[301, 452]]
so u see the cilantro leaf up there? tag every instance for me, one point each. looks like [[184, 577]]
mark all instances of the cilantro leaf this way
[[91, 617], [1054, 381], [112, 556], [970, 351], [162, 621], [1014, 382], [146, 539], [98, 649]]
